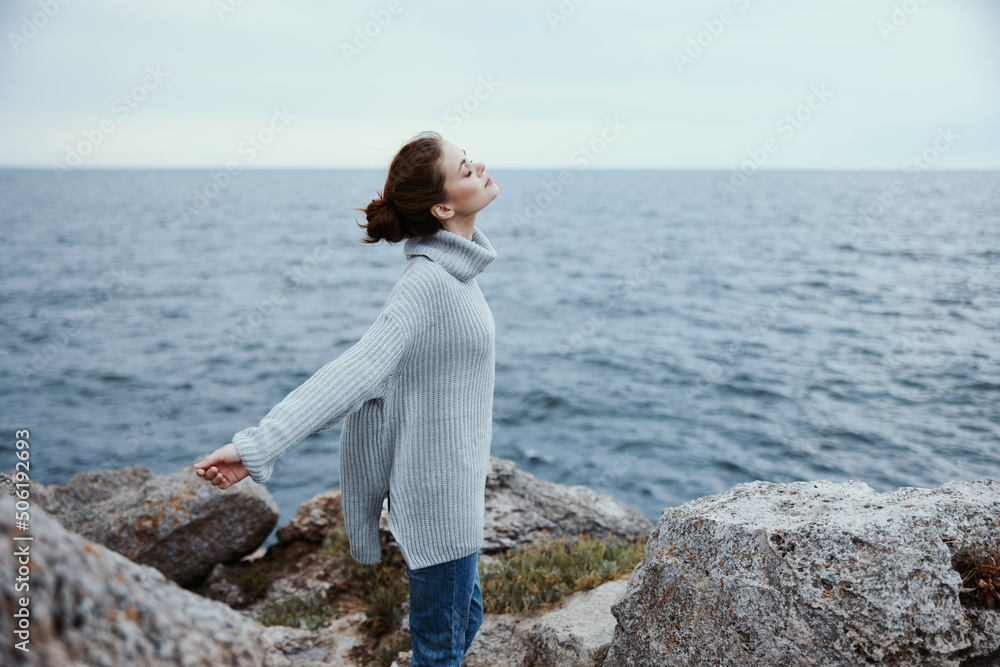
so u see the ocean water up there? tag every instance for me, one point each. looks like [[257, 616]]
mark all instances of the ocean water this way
[[655, 341]]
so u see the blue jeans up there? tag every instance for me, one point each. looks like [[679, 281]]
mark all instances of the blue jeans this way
[[446, 610]]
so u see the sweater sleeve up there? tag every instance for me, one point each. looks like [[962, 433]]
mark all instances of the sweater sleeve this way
[[336, 390]]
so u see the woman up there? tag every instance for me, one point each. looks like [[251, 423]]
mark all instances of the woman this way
[[416, 396]]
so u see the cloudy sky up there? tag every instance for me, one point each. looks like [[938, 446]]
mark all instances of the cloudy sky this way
[[852, 84]]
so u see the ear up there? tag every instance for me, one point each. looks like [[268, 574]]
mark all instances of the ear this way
[[442, 211]]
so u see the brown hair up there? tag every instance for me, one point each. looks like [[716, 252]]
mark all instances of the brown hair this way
[[415, 183]]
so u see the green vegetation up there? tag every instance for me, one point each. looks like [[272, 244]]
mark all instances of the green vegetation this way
[[384, 585], [336, 544], [254, 586], [531, 576], [299, 612], [522, 579], [384, 655]]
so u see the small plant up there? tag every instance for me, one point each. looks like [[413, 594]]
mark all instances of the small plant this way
[[336, 544], [384, 585], [980, 574], [530, 576], [386, 608], [298, 612], [254, 585], [384, 655]]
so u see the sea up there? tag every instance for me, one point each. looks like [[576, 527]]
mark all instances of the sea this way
[[660, 335]]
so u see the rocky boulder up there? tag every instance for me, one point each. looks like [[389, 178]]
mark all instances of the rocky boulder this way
[[299, 563], [813, 573], [520, 506], [89, 605], [179, 523], [574, 632]]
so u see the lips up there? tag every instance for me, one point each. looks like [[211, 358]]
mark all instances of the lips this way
[[489, 181]]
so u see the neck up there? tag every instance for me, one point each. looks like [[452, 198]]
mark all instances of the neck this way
[[462, 226]]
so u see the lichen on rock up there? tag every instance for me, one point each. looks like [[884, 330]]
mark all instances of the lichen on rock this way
[[810, 573]]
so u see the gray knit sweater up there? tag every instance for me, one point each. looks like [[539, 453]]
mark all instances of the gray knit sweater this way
[[416, 396]]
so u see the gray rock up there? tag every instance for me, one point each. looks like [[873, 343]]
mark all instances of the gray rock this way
[[572, 633], [583, 625], [519, 507], [296, 565], [332, 644], [314, 519], [92, 606], [811, 573], [180, 524]]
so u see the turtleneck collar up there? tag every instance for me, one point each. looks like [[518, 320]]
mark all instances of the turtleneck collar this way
[[461, 257]]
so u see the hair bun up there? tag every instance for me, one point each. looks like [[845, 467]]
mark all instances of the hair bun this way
[[416, 183], [380, 204], [385, 220]]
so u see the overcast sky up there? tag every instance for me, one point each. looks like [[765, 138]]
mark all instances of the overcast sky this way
[[520, 83]]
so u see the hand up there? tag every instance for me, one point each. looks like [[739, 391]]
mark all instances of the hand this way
[[223, 467]]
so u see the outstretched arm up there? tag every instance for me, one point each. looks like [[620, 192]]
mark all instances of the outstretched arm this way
[[333, 392]]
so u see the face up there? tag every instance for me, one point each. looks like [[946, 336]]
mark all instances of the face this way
[[469, 187]]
